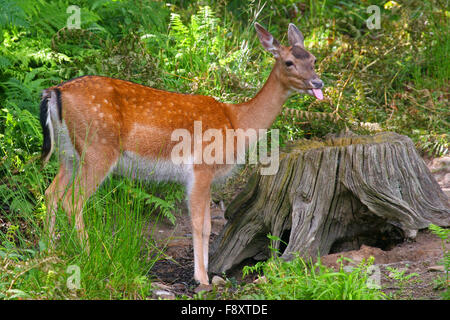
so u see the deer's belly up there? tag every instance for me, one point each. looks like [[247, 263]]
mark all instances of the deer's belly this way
[[138, 167]]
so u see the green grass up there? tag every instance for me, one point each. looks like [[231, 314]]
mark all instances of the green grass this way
[[117, 265], [301, 280], [117, 216]]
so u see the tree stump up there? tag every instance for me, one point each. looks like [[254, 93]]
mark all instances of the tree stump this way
[[331, 196]]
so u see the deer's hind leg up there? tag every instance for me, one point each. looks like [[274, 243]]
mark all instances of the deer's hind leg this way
[[53, 195], [94, 167]]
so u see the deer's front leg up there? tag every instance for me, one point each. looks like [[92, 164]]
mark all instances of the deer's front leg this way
[[206, 231], [198, 204]]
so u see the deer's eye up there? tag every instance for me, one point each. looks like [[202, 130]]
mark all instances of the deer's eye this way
[[289, 63]]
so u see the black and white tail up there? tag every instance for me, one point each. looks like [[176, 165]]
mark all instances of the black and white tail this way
[[50, 112]]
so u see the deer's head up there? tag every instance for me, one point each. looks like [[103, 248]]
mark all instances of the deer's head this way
[[295, 65]]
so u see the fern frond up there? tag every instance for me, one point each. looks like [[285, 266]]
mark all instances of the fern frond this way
[[4, 62], [12, 14]]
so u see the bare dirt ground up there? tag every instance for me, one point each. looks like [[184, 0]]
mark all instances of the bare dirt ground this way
[[409, 270], [175, 272]]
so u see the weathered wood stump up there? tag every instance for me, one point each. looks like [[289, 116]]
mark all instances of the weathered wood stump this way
[[330, 196]]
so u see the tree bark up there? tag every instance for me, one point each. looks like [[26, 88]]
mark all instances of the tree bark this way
[[330, 196]]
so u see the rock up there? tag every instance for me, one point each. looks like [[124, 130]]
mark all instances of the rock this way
[[163, 294], [436, 269], [218, 281]]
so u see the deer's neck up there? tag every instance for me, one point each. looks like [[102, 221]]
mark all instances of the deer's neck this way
[[261, 111]]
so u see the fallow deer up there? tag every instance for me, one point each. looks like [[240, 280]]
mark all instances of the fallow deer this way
[[104, 125]]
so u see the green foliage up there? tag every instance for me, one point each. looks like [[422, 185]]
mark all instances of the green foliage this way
[[204, 52], [166, 207], [116, 220], [443, 282], [443, 234], [301, 280], [12, 15], [114, 268], [403, 280]]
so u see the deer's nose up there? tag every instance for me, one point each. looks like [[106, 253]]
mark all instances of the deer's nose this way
[[317, 84]]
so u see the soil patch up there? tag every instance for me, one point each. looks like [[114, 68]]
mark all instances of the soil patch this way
[[408, 271]]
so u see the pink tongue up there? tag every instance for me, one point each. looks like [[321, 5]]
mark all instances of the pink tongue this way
[[318, 93]]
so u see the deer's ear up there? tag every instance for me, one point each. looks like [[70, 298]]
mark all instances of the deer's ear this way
[[267, 40], [295, 36]]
